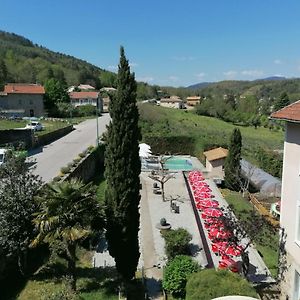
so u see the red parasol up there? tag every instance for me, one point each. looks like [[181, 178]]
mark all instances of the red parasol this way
[[213, 212], [203, 195], [228, 263], [219, 234], [233, 250], [208, 203]]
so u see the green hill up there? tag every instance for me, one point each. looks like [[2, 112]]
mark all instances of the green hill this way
[[29, 62]]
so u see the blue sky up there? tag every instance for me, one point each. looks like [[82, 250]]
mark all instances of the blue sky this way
[[168, 42]]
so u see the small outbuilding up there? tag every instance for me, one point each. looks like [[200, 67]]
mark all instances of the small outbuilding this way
[[215, 160]]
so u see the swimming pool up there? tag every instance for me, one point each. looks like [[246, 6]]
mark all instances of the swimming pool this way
[[179, 164]]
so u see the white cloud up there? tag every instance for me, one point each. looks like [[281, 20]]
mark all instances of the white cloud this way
[[113, 68], [145, 79], [252, 73], [173, 78], [183, 58], [200, 76], [278, 62], [230, 74]]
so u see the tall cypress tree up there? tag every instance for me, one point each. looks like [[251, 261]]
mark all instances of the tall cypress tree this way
[[232, 162], [122, 170]]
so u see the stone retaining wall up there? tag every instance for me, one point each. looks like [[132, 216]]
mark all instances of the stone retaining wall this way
[[88, 166]]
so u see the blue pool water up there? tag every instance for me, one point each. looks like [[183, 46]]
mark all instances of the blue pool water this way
[[179, 164]]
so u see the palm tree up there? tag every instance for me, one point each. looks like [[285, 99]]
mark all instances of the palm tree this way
[[67, 214]]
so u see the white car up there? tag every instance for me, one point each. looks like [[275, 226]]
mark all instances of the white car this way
[[2, 156], [34, 125]]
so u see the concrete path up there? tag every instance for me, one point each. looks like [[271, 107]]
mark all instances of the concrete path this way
[[49, 159]]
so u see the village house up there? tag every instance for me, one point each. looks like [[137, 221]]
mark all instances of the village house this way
[[215, 160], [22, 100], [172, 102], [290, 199], [193, 100], [86, 98], [106, 101]]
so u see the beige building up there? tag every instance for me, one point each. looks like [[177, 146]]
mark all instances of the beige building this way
[[86, 98], [22, 99], [215, 160], [106, 101], [193, 100], [290, 199], [172, 102]]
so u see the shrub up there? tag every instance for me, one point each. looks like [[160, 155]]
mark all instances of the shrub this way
[[81, 155], [76, 160], [177, 242], [56, 178], [65, 170], [91, 148], [85, 110], [176, 273], [202, 285]]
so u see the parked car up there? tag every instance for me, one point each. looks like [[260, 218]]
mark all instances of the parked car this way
[[34, 125], [2, 156]]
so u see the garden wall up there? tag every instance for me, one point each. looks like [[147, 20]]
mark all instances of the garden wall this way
[[16, 136], [89, 166], [51, 136]]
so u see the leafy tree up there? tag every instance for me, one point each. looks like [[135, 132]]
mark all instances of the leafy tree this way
[[68, 213], [210, 284], [17, 189], [55, 92], [282, 101], [232, 162], [3, 74], [122, 171], [176, 274], [177, 242]]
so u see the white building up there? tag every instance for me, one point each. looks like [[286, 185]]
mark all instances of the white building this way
[[290, 199], [86, 98], [172, 102]]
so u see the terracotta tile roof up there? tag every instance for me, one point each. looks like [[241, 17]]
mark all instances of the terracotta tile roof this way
[[84, 95], [288, 113], [216, 153], [23, 88]]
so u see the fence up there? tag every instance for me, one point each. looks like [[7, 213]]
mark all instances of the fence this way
[[263, 211]]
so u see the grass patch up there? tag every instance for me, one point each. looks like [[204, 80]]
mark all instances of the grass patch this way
[[11, 124], [268, 242], [93, 283]]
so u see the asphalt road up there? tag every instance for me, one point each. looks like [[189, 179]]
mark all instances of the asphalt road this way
[[48, 160]]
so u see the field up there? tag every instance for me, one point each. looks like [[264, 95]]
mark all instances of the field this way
[[48, 125], [206, 131]]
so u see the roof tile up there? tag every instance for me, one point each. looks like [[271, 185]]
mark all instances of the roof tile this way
[[288, 113]]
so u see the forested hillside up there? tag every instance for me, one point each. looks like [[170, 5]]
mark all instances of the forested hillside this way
[[29, 62]]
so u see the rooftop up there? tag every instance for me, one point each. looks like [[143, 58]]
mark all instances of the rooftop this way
[[288, 113], [24, 88], [81, 95], [193, 98], [216, 153]]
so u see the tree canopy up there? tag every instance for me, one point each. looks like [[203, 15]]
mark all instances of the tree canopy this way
[[232, 162], [17, 190], [122, 169]]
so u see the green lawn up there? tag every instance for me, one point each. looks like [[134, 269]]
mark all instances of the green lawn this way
[[10, 124], [49, 281], [161, 121], [268, 246]]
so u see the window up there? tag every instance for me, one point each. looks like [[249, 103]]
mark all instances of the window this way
[[20, 101], [296, 287]]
